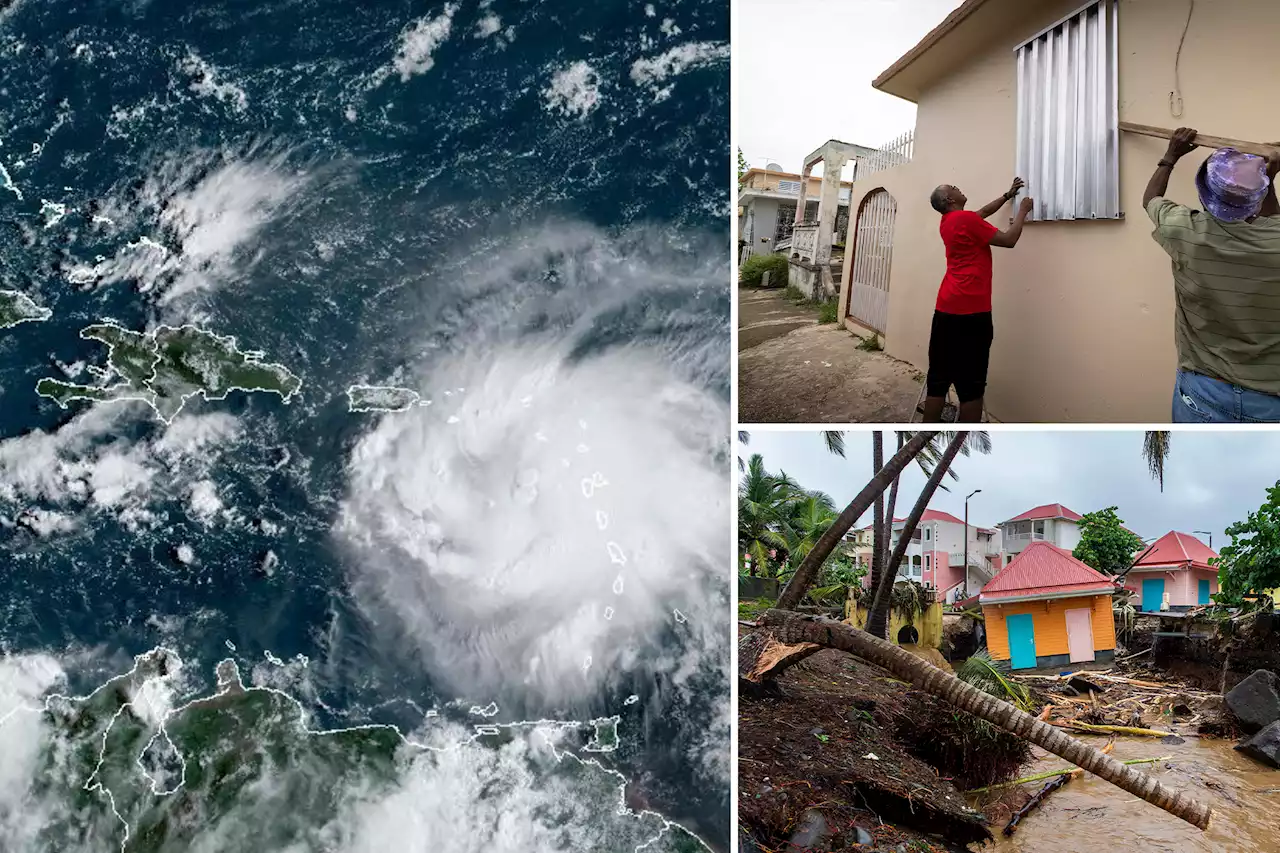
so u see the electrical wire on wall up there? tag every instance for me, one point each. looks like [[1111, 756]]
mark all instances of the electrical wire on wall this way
[[1175, 97]]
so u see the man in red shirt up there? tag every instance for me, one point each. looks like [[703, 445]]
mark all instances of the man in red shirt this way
[[960, 342]]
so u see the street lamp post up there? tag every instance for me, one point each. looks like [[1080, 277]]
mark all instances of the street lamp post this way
[[966, 541]]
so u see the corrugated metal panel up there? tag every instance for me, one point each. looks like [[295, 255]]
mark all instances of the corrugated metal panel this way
[[1068, 116], [1043, 569], [1178, 548]]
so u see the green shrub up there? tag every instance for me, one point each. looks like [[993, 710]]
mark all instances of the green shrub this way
[[795, 294], [828, 313], [752, 271]]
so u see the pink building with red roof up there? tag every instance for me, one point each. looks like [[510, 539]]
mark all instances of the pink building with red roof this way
[[1175, 567], [936, 555]]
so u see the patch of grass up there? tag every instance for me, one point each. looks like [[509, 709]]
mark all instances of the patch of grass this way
[[749, 609], [795, 295], [828, 312], [752, 271], [871, 344]]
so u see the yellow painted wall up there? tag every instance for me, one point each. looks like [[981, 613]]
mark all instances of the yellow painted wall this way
[[1049, 621], [1083, 310], [928, 624]]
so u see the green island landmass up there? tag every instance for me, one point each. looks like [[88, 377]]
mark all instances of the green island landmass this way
[[380, 398], [169, 366], [18, 308], [240, 766]]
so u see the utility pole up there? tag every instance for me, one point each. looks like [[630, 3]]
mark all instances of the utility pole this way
[[1205, 533], [966, 541]]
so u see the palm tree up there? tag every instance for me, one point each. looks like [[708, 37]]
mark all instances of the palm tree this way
[[792, 629], [808, 570], [878, 617], [929, 460], [809, 516], [763, 503], [1155, 449]]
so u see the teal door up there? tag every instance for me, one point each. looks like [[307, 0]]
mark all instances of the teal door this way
[[1152, 594], [1203, 597], [1022, 641]]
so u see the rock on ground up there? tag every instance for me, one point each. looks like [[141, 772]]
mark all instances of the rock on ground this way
[[1264, 746], [1255, 701]]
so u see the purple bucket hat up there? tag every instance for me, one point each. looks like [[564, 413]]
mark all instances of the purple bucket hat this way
[[1232, 185]]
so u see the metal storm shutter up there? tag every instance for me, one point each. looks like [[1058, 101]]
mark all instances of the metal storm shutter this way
[[1068, 116]]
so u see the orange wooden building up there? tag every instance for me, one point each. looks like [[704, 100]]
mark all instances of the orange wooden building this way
[[1048, 609]]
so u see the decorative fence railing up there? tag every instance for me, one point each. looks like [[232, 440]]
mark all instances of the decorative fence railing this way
[[804, 241], [894, 153]]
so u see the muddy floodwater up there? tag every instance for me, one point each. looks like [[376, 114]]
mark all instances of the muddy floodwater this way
[[1092, 815]]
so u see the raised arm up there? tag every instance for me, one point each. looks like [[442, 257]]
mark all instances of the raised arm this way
[[1181, 144], [990, 210], [1009, 239]]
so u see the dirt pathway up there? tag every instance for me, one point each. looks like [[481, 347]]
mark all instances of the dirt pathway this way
[[792, 370]]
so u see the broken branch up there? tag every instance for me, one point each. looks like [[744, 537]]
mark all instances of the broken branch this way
[[1049, 774]]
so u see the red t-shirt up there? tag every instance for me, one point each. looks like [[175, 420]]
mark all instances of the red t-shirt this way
[[966, 288]]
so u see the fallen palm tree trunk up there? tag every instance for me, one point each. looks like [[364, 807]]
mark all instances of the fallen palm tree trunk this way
[[794, 629], [1113, 730], [1039, 798], [1049, 774]]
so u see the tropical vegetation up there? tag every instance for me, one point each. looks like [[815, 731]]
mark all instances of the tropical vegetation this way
[[1105, 544], [1251, 563]]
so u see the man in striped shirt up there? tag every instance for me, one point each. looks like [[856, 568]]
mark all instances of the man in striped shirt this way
[[1226, 277]]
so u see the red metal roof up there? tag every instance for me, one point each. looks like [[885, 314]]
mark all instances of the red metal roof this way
[[1048, 511], [1176, 549], [936, 515], [1045, 570]]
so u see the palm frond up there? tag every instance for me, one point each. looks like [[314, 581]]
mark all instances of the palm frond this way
[[1155, 449], [744, 437], [834, 440], [988, 675], [834, 594]]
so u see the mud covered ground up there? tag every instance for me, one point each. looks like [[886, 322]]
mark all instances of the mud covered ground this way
[[848, 755]]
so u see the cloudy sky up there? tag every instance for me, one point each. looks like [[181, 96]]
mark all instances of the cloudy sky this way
[[1211, 479], [787, 103]]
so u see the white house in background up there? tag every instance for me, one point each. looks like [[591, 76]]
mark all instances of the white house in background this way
[[1052, 523], [767, 208], [935, 556]]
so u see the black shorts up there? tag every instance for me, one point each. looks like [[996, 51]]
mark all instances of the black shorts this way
[[959, 353]]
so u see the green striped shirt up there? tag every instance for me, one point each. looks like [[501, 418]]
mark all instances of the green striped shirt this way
[[1226, 278]]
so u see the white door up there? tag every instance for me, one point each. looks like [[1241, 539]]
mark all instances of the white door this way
[[872, 260], [1080, 635]]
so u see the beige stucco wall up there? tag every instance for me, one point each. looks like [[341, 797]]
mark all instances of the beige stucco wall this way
[[770, 181], [1083, 310]]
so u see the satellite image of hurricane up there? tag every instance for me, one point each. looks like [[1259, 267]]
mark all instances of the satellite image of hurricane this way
[[364, 426]]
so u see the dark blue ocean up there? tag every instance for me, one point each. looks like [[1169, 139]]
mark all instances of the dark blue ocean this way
[[515, 208]]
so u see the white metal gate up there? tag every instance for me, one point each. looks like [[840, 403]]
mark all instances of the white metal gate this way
[[873, 255]]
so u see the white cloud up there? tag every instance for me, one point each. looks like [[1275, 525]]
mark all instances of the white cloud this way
[[208, 82], [574, 90], [205, 213], [654, 70], [477, 522], [86, 465], [418, 43], [488, 25]]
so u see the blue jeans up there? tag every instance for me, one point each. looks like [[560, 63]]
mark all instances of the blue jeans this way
[[1199, 399]]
